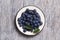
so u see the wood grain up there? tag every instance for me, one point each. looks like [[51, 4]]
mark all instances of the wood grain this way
[[8, 11]]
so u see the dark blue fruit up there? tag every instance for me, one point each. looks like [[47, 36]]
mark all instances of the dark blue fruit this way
[[24, 30], [30, 18]]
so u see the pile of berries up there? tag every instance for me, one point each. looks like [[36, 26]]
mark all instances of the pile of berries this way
[[29, 20]]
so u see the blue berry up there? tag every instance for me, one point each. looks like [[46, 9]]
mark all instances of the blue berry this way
[[40, 23], [27, 10], [34, 11], [24, 30], [19, 19]]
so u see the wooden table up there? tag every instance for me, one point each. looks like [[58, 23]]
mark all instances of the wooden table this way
[[8, 11]]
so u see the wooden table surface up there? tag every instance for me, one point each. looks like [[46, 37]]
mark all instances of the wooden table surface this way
[[8, 11]]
